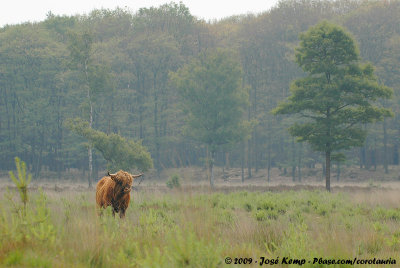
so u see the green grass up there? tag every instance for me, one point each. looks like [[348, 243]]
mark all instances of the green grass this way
[[194, 229]]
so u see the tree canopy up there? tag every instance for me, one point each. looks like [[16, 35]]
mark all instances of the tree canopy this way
[[337, 96], [119, 152], [130, 55], [214, 100]]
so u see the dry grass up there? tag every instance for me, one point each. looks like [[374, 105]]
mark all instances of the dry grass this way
[[199, 228]]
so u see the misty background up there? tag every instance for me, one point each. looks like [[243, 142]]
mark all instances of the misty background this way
[[133, 54]]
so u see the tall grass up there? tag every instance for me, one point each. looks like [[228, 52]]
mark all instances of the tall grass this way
[[192, 229]]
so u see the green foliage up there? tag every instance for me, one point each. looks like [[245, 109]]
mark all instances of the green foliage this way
[[120, 153], [95, 75], [41, 227], [28, 221], [195, 230], [22, 181], [37, 261], [13, 258], [80, 47], [188, 250], [325, 48], [295, 242], [213, 99], [153, 257], [386, 214], [32, 226], [122, 60], [338, 94], [173, 182]]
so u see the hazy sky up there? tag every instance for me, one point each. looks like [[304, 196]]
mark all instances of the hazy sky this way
[[17, 11]]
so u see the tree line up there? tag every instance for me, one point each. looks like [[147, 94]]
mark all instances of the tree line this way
[[113, 69]]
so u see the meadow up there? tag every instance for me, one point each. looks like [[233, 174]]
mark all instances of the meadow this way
[[185, 227]]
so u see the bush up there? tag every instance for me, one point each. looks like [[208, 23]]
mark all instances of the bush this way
[[173, 182], [25, 221]]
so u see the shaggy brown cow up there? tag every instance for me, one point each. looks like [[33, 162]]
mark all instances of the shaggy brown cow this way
[[114, 190]]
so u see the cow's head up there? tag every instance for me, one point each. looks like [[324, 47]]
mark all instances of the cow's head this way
[[123, 180]]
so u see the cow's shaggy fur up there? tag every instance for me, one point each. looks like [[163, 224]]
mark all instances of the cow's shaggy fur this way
[[114, 190]]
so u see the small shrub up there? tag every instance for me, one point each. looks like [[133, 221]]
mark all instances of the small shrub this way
[[97, 258], [21, 181], [322, 210], [386, 214], [37, 261], [215, 200], [28, 222], [248, 207], [296, 242], [185, 249], [261, 215], [373, 244], [394, 241], [226, 217], [41, 227], [173, 182], [153, 257], [13, 258], [267, 205]]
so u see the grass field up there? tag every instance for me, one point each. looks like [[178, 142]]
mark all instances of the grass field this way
[[190, 228]]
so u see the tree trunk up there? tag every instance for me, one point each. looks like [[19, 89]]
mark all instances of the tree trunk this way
[[242, 160], [396, 154], [385, 161], [207, 163], [249, 159], [156, 130], [255, 140], [212, 169], [293, 161], [338, 172], [374, 155], [227, 164], [328, 170], [90, 153], [8, 127], [269, 163], [299, 161], [361, 158]]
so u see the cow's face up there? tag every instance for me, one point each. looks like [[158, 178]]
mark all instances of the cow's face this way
[[123, 180]]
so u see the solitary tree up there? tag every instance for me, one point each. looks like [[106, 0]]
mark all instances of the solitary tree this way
[[214, 101], [336, 97], [119, 152], [94, 77]]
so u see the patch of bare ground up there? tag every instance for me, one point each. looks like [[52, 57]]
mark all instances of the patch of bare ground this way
[[228, 180]]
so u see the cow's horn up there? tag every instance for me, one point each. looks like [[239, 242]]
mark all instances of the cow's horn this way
[[137, 176], [108, 174]]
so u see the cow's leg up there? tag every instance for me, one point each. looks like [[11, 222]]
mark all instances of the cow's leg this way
[[122, 214], [113, 213]]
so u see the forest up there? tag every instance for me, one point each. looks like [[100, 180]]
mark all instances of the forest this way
[[117, 70]]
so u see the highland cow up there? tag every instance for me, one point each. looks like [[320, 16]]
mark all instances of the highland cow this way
[[114, 190]]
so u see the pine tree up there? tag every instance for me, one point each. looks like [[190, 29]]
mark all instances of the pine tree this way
[[337, 95]]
